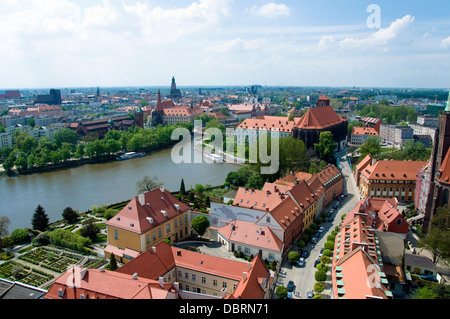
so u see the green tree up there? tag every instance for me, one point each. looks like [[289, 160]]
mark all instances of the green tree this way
[[40, 220], [319, 287], [182, 188], [326, 145], [293, 256], [200, 224], [70, 215], [19, 236], [370, 147], [90, 230], [281, 292], [255, 181], [320, 275], [112, 262], [65, 136]]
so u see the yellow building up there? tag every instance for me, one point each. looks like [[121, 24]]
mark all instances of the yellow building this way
[[146, 220], [388, 178]]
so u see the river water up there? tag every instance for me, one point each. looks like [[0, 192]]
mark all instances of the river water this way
[[96, 184]]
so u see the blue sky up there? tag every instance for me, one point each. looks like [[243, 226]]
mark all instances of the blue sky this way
[[69, 43]]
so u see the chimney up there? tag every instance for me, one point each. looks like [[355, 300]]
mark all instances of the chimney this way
[[374, 160], [177, 207], [176, 285], [102, 268], [154, 249], [134, 276], [150, 220], [161, 188], [83, 273], [161, 282], [244, 276], [141, 199]]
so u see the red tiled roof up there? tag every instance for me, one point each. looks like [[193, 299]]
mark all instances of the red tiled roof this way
[[320, 118], [445, 169], [147, 211], [105, 285], [393, 170]]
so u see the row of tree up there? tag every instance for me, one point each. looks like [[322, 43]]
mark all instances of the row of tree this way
[[30, 153]]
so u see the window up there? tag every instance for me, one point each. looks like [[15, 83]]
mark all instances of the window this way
[[159, 232], [271, 256], [147, 238], [116, 234], [186, 276], [203, 280], [398, 221], [215, 283], [224, 284], [168, 228], [193, 277], [187, 288], [181, 221], [154, 235], [246, 250], [176, 223]]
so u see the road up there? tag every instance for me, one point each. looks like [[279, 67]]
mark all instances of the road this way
[[303, 277]]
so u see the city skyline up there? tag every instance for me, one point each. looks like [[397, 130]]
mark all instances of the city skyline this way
[[104, 43]]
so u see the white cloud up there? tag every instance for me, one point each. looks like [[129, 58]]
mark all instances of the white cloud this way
[[445, 43], [271, 10], [236, 45], [381, 38]]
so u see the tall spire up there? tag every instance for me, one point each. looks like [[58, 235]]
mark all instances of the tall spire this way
[[447, 107], [159, 96]]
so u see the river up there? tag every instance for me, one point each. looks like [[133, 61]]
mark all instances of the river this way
[[96, 184]]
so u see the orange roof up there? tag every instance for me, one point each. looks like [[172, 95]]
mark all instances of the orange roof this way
[[291, 179], [364, 131], [251, 234], [320, 118], [445, 169], [363, 163], [286, 212], [255, 284], [357, 278], [147, 211], [393, 170], [182, 111], [106, 284], [263, 200], [269, 123]]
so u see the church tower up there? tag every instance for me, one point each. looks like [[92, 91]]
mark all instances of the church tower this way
[[439, 187]]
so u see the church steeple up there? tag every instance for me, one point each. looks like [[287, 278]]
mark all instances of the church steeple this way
[[159, 96], [447, 107]]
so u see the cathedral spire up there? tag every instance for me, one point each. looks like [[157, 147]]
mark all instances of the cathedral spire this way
[[159, 96], [447, 107]]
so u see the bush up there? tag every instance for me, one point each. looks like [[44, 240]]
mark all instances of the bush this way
[[319, 287], [322, 267], [320, 275], [281, 292], [65, 238], [301, 244], [309, 231], [329, 245], [293, 256], [327, 253], [318, 297]]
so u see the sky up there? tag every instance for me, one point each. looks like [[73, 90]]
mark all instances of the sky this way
[[338, 43]]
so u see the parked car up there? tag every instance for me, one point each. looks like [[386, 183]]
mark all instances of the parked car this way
[[310, 294], [321, 229], [290, 286], [314, 240], [316, 234], [301, 262], [330, 219], [316, 263], [305, 254]]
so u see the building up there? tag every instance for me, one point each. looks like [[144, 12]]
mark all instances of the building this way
[[360, 134], [428, 120], [396, 135], [384, 215], [17, 290], [83, 283], [320, 119], [10, 95], [439, 168], [174, 92], [53, 98], [181, 114], [146, 220], [251, 239], [200, 276], [102, 126], [250, 129], [333, 183], [6, 140], [388, 178], [372, 122]]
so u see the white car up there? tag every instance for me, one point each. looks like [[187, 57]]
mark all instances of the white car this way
[[321, 229]]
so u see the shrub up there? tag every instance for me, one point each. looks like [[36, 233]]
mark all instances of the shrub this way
[[320, 275], [301, 244], [329, 245], [318, 297], [322, 267], [293, 256], [281, 292], [309, 231], [319, 287], [327, 253], [65, 238]]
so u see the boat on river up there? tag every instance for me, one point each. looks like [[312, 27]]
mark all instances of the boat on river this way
[[130, 155]]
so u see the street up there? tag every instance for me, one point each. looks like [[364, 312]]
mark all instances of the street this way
[[303, 277]]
